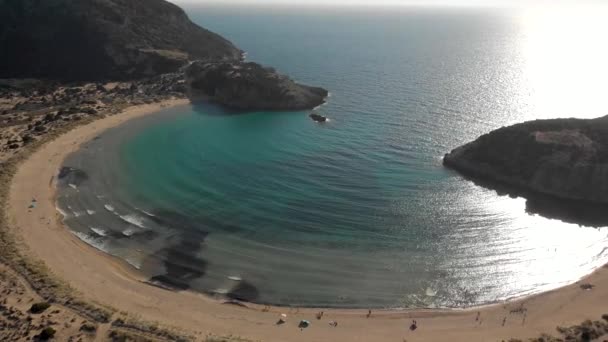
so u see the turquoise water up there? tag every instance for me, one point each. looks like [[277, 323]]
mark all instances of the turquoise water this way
[[358, 212]]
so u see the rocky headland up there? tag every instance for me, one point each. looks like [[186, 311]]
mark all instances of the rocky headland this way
[[247, 86], [563, 158], [65, 60]]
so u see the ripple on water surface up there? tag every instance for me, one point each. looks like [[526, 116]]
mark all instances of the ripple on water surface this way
[[357, 212], [309, 224]]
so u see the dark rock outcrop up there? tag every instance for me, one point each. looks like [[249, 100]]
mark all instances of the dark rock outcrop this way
[[250, 86], [565, 158], [101, 39], [317, 117]]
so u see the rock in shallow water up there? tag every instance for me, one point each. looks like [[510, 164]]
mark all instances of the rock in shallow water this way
[[70, 175], [244, 291], [317, 117]]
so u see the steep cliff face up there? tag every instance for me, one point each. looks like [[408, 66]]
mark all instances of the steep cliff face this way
[[250, 86], [566, 158], [101, 39]]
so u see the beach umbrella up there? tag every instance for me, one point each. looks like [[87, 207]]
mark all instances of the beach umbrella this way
[[304, 324]]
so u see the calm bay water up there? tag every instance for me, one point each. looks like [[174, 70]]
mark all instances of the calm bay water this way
[[358, 212]]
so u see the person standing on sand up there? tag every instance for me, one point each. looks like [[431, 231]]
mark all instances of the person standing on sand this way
[[369, 313]]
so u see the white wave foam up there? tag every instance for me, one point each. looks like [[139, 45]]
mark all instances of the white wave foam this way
[[109, 207], [221, 291], [134, 263], [78, 213], [62, 212], [73, 186], [90, 212], [99, 231], [235, 278], [134, 220], [129, 232], [147, 213], [91, 240]]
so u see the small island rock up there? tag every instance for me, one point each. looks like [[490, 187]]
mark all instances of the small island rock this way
[[317, 117]]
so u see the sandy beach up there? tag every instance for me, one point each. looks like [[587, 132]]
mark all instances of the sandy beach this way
[[106, 280]]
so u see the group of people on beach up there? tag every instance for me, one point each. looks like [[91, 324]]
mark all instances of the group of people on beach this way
[[413, 326], [305, 324]]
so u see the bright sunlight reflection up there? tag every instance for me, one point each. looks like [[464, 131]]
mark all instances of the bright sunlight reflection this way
[[566, 60]]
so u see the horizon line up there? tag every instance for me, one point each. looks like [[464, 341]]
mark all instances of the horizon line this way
[[397, 3]]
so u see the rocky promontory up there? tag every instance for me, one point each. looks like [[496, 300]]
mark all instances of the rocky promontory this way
[[101, 40], [250, 86], [565, 158], [64, 61]]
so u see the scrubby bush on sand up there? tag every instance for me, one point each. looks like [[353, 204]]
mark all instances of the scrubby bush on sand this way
[[39, 307], [47, 334]]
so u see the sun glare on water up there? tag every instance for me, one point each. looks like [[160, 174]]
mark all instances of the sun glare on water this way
[[566, 60], [562, 71]]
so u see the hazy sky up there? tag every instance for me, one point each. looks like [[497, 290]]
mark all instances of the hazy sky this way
[[398, 2]]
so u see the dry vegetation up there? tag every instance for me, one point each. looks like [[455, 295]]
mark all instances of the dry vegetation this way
[[584, 332]]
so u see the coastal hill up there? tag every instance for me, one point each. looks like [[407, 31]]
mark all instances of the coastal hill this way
[[63, 61], [92, 40], [131, 40], [242, 85], [564, 158]]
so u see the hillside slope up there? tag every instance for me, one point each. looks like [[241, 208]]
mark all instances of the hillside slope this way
[[101, 39]]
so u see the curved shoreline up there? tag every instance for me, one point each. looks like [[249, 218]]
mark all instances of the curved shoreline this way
[[105, 279]]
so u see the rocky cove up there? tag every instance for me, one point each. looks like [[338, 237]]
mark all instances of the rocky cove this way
[[377, 159]]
